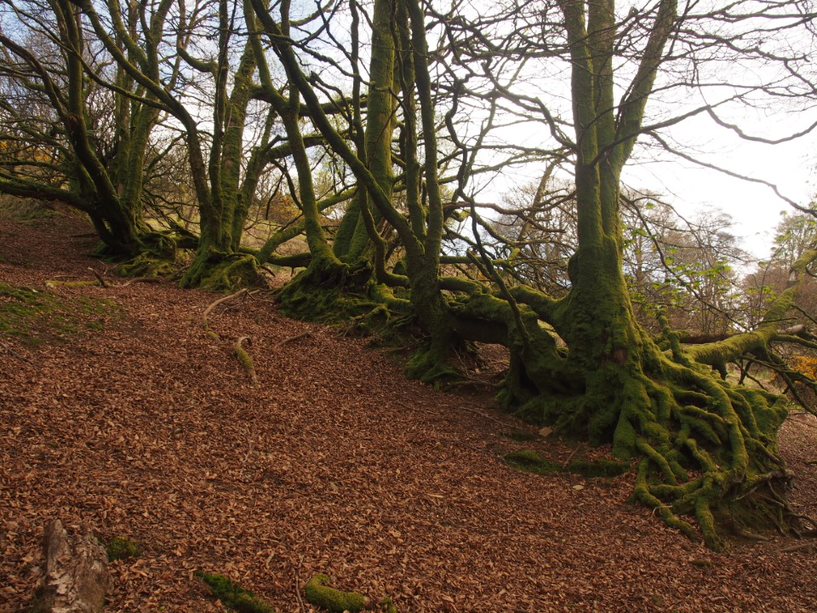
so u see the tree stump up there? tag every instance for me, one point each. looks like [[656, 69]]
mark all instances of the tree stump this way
[[76, 574]]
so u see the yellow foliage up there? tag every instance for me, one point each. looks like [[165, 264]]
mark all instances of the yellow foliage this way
[[806, 365]]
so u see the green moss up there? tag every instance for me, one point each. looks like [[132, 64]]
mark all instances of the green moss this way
[[598, 468], [150, 266], [429, 366], [387, 606], [25, 211], [35, 317], [88, 283], [529, 461], [122, 548], [321, 595], [328, 291], [235, 273], [245, 358], [234, 596]]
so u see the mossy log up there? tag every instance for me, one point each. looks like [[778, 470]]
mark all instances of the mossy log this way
[[321, 595]]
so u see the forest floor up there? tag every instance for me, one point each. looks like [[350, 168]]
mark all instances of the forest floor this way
[[119, 411]]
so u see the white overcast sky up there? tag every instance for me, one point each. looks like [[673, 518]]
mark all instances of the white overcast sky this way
[[754, 208]]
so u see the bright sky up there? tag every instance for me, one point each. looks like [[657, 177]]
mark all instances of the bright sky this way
[[754, 208]]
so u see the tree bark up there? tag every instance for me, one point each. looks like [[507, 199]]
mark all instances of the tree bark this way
[[76, 575]]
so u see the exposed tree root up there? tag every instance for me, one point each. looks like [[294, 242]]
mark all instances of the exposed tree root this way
[[234, 596], [219, 272], [321, 595], [146, 266], [51, 284], [293, 339], [431, 366], [239, 350], [245, 358], [327, 290], [99, 278], [206, 314], [707, 448]]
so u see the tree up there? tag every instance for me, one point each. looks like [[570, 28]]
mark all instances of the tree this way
[[56, 132], [705, 446]]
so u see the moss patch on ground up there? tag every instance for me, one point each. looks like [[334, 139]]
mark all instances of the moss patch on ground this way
[[529, 461], [35, 317], [321, 595], [25, 211], [122, 548], [234, 596]]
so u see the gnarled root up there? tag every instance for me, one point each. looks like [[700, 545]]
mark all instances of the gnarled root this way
[[219, 272], [708, 450], [321, 595], [327, 290]]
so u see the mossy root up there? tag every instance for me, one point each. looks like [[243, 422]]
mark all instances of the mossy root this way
[[234, 596], [321, 595], [245, 358]]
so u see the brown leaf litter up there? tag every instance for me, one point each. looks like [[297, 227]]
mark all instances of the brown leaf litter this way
[[147, 427]]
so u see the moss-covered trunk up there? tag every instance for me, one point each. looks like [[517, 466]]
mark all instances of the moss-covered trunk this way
[[224, 204], [705, 447], [116, 218], [353, 236]]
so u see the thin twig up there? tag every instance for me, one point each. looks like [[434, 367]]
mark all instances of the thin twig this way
[[301, 604], [99, 278], [570, 457], [486, 416], [799, 547], [292, 339]]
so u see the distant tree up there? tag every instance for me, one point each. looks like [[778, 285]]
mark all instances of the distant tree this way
[[64, 136]]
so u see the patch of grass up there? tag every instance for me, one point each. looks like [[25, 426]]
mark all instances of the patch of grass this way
[[234, 596], [35, 317], [122, 548], [26, 211], [529, 461]]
